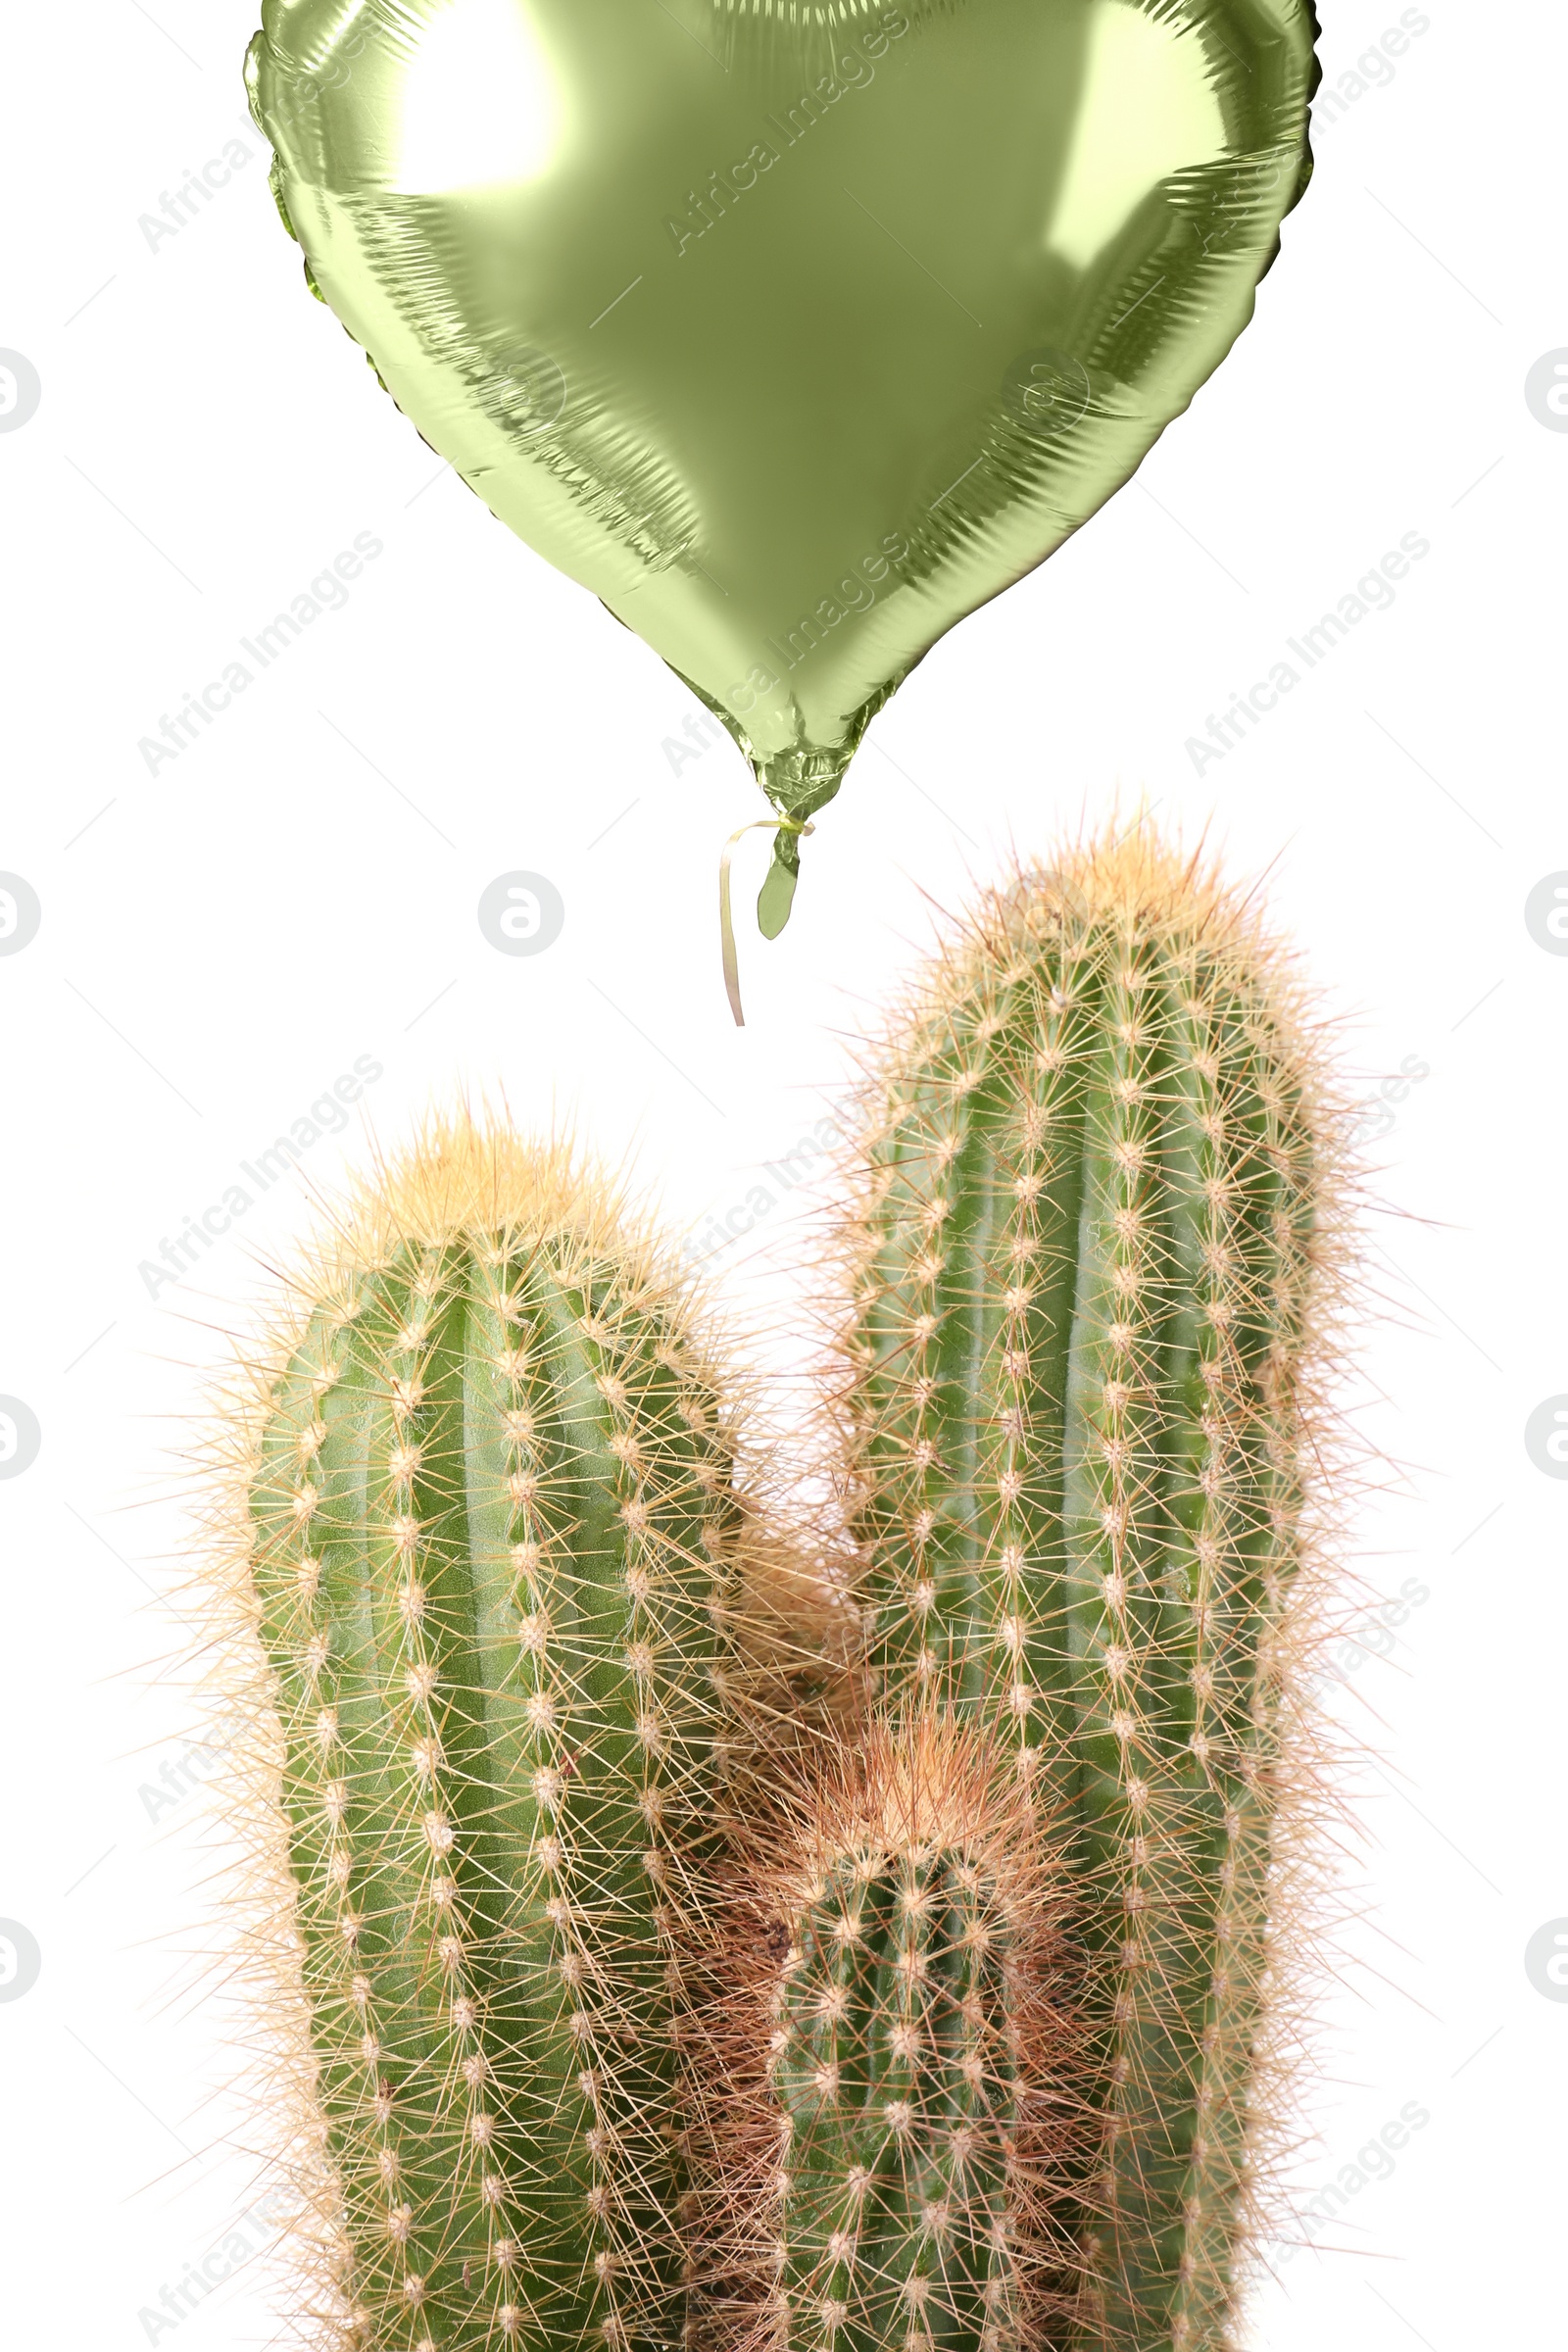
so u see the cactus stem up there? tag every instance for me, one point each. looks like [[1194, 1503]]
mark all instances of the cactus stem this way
[[895, 2063]]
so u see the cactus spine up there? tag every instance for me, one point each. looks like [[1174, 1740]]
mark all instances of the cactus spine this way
[[490, 1500], [900, 2046], [1096, 1202]]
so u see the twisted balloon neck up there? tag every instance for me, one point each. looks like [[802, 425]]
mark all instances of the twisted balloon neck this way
[[802, 781], [798, 783]]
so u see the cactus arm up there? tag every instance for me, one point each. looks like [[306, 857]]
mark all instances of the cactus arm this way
[[901, 2102], [894, 2075], [491, 1511], [1079, 1457]]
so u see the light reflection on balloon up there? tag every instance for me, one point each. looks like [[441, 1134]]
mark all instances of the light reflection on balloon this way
[[480, 102]]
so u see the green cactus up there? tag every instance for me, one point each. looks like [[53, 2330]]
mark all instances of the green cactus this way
[[899, 2049], [491, 1498], [1088, 1293], [643, 1988]]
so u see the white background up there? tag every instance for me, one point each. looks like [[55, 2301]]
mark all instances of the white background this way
[[218, 942]]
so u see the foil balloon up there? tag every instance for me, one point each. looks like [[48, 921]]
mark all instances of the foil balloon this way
[[794, 329]]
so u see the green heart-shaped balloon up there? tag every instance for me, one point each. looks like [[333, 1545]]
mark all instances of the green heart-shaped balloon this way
[[795, 330]]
